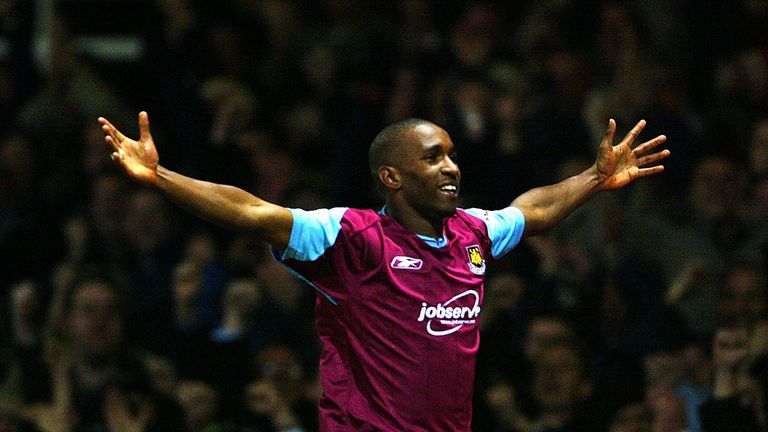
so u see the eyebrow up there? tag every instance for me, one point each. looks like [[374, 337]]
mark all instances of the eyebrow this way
[[432, 148], [437, 147]]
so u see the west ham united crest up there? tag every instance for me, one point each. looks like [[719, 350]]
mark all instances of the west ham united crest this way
[[476, 262]]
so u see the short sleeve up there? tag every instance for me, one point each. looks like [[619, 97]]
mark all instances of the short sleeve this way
[[313, 232], [505, 227]]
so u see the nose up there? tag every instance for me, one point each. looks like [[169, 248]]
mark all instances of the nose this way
[[450, 167]]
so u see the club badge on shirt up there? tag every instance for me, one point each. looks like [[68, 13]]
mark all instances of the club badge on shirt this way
[[476, 262]]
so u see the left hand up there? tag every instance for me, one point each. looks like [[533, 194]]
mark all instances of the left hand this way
[[619, 165]]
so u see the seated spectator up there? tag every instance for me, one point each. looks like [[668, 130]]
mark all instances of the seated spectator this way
[[93, 379], [743, 300], [561, 396], [737, 400], [278, 399]]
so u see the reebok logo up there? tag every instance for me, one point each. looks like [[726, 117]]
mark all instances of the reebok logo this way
[[406, 263], [449, 317]]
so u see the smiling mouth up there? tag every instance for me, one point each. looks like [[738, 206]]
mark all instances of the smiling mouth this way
[[451, 190]]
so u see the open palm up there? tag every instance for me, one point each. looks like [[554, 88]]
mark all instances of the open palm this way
[[139, 158], [619, 165]]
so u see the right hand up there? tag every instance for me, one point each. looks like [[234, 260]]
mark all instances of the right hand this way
[[139, 158]]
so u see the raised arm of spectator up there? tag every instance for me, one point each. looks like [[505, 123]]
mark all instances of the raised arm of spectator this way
[[223, 205], [615, 167]]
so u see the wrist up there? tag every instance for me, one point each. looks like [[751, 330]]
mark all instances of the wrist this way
[[594, 177], [161, 178]]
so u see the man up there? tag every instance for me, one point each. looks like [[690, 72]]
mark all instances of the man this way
[[402, 288], [92, 380]]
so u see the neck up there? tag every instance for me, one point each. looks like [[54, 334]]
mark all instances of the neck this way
[[415, 221]]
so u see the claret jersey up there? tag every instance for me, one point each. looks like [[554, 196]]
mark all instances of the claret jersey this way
[[398, 314]]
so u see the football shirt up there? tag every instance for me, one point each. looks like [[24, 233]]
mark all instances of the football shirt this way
[[398, 313]]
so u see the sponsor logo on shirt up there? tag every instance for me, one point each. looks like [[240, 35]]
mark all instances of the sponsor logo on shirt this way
[[446, 318], [476, 261], [406, 263]]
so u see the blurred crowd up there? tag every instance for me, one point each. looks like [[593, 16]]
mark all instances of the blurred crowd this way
[[646, 310]]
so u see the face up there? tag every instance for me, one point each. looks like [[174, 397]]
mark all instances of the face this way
[[558, 382], [429, 176], [95, 320], [280, 366], [147, 222], [743, 301], [544, 333]]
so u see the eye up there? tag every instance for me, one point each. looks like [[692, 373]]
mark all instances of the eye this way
[[432, 157]]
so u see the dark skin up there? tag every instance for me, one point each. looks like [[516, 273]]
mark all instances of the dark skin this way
[[417, 186], [421, 187], [415, 199]]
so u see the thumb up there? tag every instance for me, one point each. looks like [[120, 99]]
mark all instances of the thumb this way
[[144, 126], [610, 133]]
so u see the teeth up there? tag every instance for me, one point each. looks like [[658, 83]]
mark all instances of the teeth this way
[[449, 188]]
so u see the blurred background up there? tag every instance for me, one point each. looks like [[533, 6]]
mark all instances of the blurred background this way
[[647, 310]]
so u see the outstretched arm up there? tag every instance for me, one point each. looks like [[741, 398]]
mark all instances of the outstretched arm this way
[[223, 205], [615, 167]]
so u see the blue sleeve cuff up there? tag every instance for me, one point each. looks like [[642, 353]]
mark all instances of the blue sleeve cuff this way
[[505, 228], [313, 232]]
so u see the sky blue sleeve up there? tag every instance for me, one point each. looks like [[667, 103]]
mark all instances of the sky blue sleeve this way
[[505, 227], [313, 232]]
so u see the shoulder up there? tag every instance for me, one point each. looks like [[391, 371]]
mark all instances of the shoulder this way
[[316, 231], [508, 216], [361, 217], [350, 215], [474, 215], [504, 227]]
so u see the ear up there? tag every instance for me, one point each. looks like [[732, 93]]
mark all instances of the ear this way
[[389, 177]]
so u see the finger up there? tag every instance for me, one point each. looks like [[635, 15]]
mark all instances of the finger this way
[[648, 145], [112, 129], [643, 172], [109, 139], [632, 135], [610, 133], [652, 158], [144, 126], [114, 137]]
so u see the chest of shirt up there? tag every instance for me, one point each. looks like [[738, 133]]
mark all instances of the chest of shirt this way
[[437, 290]]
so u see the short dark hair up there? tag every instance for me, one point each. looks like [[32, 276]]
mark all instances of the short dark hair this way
[[89, 275], [386, 144]]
